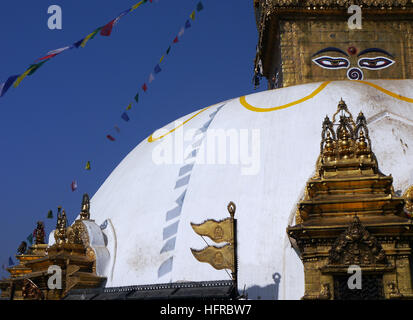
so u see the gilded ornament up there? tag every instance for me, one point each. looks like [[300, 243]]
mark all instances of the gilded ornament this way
[[408, 198]]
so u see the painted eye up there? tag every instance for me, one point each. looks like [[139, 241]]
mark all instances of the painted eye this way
[[332, 62], [375, 63]]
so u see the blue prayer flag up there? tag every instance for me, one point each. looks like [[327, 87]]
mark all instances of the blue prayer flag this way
[[187, 24], [77, 44], [6, 86], [157, 69], [125, 116]]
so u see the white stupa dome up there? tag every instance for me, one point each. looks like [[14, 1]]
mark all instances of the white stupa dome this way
[[272, 143]]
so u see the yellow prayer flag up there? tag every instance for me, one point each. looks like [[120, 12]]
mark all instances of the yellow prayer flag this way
[[137, 5], [85, 40], [20, 79], [129, 106], [87, 165], [161, 58], [193, 15]]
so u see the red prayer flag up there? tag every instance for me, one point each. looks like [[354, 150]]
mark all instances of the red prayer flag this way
[[110, 137], [48, 56], [176, 39], [144, 87], [107, 29], [74, 185]]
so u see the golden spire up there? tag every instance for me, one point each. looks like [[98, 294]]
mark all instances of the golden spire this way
[[60, 233], [85, 210], [345, 150]]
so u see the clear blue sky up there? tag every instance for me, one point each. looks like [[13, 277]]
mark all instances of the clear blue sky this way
[[58, 118]]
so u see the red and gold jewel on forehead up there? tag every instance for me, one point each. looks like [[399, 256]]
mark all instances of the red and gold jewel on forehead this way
[[352, 50]]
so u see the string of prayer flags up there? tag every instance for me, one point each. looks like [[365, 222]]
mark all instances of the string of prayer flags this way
[[73, 185], [124, 116], [87, 167], [50, 214], [157, 69], [106, 30]]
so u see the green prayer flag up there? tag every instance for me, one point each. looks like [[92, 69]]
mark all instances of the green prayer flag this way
[[95, 33], [137, 98], [199, 6], [169, 49], [36, 66], [50, 214]]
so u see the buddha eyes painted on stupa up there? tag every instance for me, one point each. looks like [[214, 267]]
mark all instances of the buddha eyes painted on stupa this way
[[352, 61]]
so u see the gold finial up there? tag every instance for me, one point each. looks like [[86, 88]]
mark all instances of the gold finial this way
[[408, 198], [231, 209], [39, 233], [342, 107], [85, 210], [60, 233]]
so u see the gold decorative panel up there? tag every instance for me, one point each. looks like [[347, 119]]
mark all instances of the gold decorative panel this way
[[294, 36], [350, 216]]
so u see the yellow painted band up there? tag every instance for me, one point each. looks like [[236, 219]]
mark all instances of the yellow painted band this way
[[392, 94], [152, 139], [322, 86], [311, 95], [317, 91]]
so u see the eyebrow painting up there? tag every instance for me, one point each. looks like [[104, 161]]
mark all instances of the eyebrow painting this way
[[330, 49], [378, 50]]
